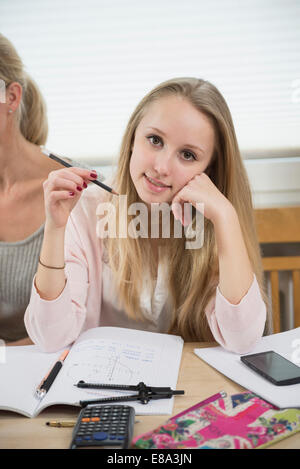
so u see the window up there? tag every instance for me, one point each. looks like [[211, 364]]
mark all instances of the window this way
[[94, 60]]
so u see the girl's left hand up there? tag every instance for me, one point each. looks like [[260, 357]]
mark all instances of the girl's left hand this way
[[200, 190]]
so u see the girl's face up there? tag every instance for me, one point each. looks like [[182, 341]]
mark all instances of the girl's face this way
[[173, 143]]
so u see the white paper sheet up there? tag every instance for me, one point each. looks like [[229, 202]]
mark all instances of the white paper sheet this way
[[286, 344]]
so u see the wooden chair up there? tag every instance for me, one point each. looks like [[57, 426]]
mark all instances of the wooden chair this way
[[280, 225]]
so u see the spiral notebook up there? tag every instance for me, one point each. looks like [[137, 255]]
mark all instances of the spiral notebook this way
[[238, 421]]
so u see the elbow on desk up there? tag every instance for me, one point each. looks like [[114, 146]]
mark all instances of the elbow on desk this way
[[243, 342], [49, 339], [248, 333], [241, 349], [48, 345]]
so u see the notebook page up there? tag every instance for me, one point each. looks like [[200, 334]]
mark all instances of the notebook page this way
[[20, 375], [119, 356], [284, 343]]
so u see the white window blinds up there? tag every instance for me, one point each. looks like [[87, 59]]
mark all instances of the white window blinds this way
[[94, 60]]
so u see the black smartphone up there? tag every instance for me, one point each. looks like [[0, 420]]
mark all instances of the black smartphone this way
[[273, 367]]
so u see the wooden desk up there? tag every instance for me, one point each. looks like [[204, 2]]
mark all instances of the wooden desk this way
[[197, 378]]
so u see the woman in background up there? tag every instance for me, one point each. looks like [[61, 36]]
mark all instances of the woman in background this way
[[23, 128]]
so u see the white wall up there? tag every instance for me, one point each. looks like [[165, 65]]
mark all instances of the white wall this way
[[274, 181]]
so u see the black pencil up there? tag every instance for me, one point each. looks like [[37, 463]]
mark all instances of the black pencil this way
[[69, 165]]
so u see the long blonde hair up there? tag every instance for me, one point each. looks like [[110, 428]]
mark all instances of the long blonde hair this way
[[31, 115], [192, 273]]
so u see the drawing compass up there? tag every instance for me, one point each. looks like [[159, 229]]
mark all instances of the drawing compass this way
[[143, 393]]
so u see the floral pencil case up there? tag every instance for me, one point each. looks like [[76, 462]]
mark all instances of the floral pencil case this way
[[238, 421]]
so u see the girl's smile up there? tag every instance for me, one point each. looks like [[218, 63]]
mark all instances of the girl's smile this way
[[155, 185]]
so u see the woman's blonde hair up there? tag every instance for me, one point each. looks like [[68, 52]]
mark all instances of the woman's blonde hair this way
[[192, 273], [31, 114]]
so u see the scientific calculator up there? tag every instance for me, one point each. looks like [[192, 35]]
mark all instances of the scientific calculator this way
[[104, 426]]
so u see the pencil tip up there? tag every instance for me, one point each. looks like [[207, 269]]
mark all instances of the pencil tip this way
[[114, 192]]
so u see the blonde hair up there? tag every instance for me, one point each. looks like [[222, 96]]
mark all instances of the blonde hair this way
[[192, 273], [31, 114]]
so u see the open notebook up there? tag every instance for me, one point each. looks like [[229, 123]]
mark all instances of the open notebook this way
[[102, 355]]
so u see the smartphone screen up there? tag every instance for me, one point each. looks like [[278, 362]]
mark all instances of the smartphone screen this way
[[273, 367]]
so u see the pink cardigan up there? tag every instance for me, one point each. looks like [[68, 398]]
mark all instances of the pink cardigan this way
[[57, 323]]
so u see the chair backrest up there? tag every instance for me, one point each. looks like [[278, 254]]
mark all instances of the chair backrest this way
[[280, 225]]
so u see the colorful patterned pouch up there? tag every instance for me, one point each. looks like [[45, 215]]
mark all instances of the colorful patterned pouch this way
[[239, 421]]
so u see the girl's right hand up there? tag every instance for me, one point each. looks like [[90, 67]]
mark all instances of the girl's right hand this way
[[62, 191]]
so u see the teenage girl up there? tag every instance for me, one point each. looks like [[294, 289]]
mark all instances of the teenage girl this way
[[179, 148]]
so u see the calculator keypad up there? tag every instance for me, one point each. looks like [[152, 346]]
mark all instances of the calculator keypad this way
[[99, 425]]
